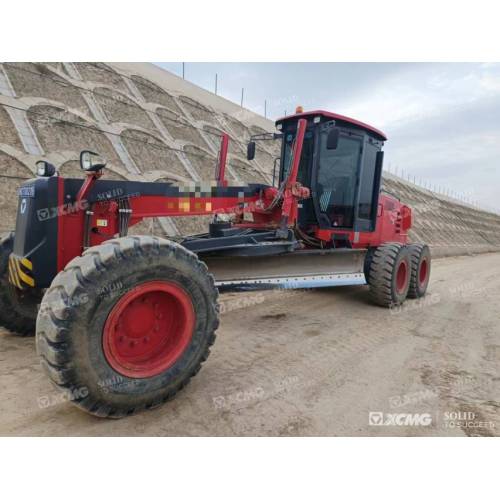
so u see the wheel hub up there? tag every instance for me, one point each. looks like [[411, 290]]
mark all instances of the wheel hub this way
[[401, 277], [148, 329], [422, 275]]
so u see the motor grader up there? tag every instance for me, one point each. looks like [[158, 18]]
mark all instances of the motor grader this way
[[123, 322]]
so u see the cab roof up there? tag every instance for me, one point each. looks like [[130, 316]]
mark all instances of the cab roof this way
[[339, 118]]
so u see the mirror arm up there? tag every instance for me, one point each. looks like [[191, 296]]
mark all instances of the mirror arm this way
[[266, 136], [90, 178]]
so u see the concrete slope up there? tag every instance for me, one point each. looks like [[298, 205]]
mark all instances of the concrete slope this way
[[450, 228], [155, 126]]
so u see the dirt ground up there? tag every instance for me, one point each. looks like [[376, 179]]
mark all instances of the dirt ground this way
[[316, 362]]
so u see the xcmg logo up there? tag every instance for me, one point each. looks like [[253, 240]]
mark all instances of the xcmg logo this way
[[403, 419]]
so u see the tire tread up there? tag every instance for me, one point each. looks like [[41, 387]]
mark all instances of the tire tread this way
[[381, 273]]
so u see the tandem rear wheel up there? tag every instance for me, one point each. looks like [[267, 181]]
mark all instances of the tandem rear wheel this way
[[395, 272], [126, 325]]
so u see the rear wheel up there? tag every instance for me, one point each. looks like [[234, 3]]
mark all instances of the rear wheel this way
[[390, 271], [368, 263], [125, 326], [420, 257], [18, 308]]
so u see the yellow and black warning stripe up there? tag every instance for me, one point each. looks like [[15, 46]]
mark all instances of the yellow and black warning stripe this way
[[20, 271]]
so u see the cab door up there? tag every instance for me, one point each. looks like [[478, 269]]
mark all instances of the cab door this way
[[347, 180], [336, 179]]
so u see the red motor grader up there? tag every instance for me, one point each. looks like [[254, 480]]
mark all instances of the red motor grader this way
[[123, 322]]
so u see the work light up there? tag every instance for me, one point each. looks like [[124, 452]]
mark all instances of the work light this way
[[91, 162], [45, 169]]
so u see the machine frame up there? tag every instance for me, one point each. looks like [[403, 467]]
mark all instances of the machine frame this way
[[60, 218]]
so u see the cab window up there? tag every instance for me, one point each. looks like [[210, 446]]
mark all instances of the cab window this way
[[337, 179]]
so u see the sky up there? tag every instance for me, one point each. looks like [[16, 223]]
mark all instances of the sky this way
[[442, 119]]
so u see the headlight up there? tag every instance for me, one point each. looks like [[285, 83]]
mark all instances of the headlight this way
[[45, 169]]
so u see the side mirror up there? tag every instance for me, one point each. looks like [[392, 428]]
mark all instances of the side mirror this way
[[332, 141], [91, 162], [251, 150]]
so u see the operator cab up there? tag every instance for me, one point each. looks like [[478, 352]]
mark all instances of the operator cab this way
[[341, 164], [343, 174]]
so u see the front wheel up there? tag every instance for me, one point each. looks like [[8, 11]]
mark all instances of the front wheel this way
[[18, 308], [126, 325]]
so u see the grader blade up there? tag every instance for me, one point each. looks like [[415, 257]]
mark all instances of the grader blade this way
[[302, 269]]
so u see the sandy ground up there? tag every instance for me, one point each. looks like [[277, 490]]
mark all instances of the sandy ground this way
[[312, 363]]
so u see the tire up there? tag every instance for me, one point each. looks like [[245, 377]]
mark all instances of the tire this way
[[368, 263], [420, 257], [18, 308], [390, 274], [122, 290]]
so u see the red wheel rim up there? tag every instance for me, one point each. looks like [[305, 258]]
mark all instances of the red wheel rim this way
[[423, 273], [401, 277], [148, 329]]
